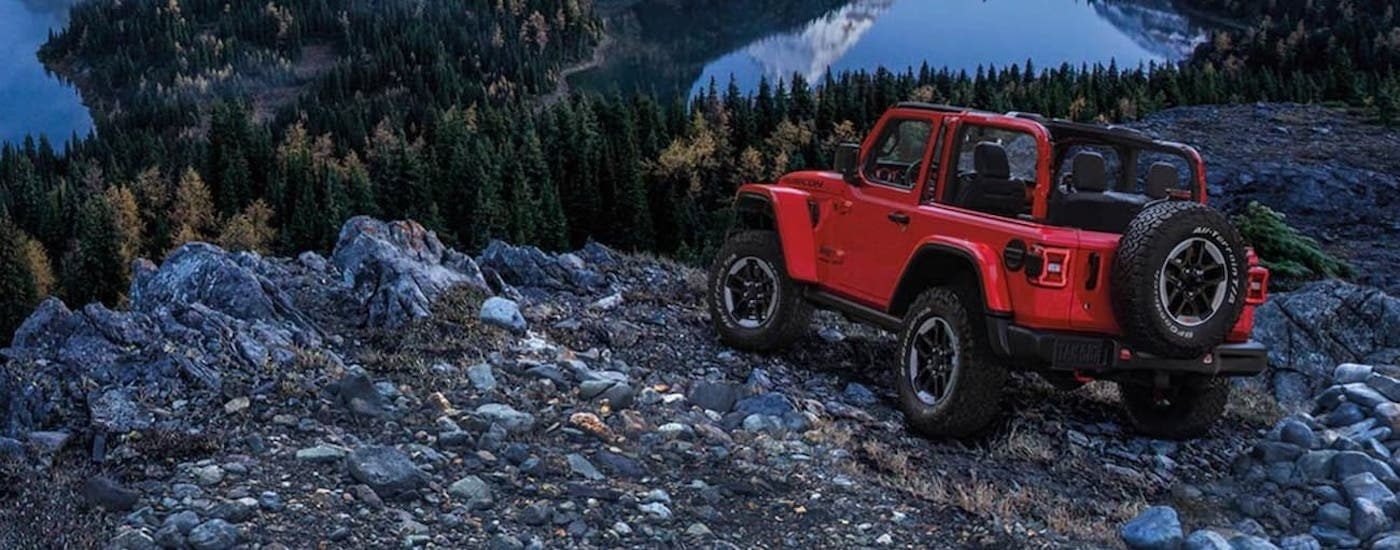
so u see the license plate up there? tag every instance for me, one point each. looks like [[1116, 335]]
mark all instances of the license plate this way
[[1079, 354]]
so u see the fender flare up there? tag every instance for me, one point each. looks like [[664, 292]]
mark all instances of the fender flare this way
[[985, 261], [792, 219]]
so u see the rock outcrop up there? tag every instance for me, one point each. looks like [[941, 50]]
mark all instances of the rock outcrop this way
[[1313, 329], [397, 269], [529, 268], [202, 320]]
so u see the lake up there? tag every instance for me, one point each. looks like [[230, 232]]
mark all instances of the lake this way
[[676, 48], [672, 47], [32, 101]]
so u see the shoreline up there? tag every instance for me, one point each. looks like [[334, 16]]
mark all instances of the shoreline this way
[[562, 89]]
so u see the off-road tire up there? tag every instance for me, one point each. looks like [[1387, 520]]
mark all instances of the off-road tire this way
[[1140, 269], [792, 316], [1195, 403], [972, 399]]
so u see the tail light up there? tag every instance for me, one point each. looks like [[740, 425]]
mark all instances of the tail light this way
[[1257, 290], [1055, 273]]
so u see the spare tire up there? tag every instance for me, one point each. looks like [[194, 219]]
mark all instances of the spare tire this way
[[1179, 279]]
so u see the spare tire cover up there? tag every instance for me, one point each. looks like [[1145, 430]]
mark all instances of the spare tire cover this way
[[1179, 279]]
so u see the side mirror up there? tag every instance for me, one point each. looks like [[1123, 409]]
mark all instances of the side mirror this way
[[848, 162]]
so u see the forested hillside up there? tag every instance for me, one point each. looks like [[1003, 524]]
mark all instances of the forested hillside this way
[[265, 126]]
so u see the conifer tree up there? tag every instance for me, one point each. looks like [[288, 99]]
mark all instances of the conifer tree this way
[[18, 291], [192, 214], [94, 269], [249, 230]]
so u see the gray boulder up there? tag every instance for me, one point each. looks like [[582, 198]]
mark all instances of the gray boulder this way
[[1251, 542], [1299, 542], [1312, 330], [1367, 519], [215, 534], [531, 268], [1158, 528], [397, 269], [503, 313], [1206, 539], [474, 491], [387, 470], [509, 418]]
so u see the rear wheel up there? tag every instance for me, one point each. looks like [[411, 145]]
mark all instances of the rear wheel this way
[[948, 385], [754, 304], [1185, 409]]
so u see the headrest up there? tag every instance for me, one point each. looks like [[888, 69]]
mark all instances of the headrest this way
[[989, 159], [1162, 177], [1090, 172]]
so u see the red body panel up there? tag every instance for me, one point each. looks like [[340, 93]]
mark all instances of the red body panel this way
[[791, 215]]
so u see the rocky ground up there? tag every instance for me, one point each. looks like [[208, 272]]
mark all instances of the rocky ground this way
[[402, 394], [273, 403], [1336, 175]]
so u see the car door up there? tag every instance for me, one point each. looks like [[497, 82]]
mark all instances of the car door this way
[[866, 241]]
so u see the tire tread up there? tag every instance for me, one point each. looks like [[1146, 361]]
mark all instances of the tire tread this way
[[974, 401]]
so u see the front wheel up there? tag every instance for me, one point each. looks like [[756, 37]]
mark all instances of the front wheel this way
[[754, 304], [949, 385], [1186, 409]]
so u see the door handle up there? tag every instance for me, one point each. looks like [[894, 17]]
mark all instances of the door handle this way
[[899, 218]]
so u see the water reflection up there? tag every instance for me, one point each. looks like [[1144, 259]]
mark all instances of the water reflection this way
[[810, 38], [32, 101]]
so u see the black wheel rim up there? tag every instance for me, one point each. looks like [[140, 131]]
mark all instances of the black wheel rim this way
[[933, 360], [1194, 282], [750, 292]]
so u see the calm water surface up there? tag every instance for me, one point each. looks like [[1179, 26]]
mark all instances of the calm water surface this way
[[664, 50], [32, 101]]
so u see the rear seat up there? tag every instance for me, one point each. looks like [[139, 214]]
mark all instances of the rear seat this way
[[1092, 206]]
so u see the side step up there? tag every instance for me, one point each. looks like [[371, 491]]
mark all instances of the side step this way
[[832, 302]]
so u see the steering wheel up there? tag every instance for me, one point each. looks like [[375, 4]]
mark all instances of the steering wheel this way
[[912, 172]]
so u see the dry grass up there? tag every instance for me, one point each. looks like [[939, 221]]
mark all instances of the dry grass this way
[[453, 335], [899, 471], [1018, 500], [460, 305], [1102, 392], [176, 445], [1022, 441], [1253, 406], [894, 471], [1076, 520]]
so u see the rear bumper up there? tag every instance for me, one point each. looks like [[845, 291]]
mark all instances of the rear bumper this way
[[1089, 354]]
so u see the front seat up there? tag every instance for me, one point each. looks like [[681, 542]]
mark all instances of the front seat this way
[[991, 188]]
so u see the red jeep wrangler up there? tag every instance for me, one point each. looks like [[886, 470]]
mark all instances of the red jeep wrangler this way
[[1005, 241]]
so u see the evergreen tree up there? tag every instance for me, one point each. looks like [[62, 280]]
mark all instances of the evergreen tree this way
[[249, 230], [18, 291], [95, 270], [192, 214]]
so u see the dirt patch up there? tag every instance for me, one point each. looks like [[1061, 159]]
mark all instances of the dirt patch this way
[[312, 62]]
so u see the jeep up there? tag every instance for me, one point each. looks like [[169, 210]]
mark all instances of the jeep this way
[[995, 242]]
